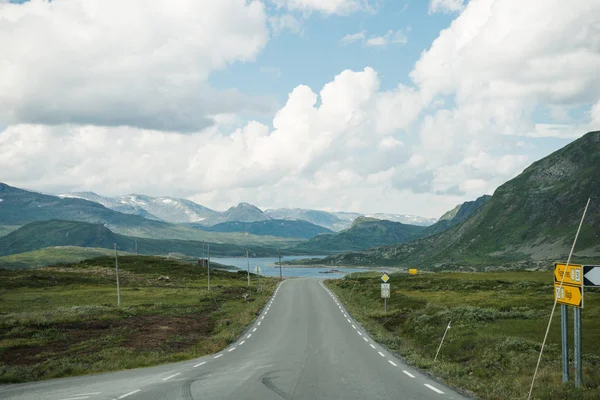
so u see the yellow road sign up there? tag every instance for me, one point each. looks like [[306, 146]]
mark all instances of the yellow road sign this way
[[385, 277], [412, 271], [569, 295], [574, 275]]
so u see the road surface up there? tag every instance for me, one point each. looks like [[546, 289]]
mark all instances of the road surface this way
[[303, 345]]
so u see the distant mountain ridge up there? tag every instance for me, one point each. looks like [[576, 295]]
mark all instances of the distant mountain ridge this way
[[273, 227], [364, 233], [456, 215]]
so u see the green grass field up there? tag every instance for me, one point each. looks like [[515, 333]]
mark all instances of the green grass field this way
[[63, 320], [498, 324], [53, 255]]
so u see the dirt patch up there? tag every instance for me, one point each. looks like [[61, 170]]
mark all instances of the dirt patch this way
[[145, 333]]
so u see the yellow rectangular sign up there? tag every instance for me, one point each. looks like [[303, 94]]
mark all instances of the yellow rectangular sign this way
[[574, 275], [412, 271], [569, 295]]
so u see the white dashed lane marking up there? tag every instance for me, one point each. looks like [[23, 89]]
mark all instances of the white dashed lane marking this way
[[172, 376], [248, 337], [231, 349], [348, 319], [365, 339], [259, 322], [254, 330], [353, 326], [128, 394], [408, 373], [434, 388], [371, 345], [218, 355], [381, 354], [393, 363], [242, 342], [202, 363]]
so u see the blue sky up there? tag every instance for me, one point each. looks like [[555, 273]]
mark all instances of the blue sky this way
[[427, 103]]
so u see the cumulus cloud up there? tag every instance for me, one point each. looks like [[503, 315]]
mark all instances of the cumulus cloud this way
[[327, 6], [353, 37], [143, 63]]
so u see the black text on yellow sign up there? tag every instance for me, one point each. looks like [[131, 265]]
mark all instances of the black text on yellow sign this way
[[573, 275], [569, 295]]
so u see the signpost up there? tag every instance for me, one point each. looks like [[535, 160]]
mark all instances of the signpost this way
[[385, 290], [572, 277], [569, 295]]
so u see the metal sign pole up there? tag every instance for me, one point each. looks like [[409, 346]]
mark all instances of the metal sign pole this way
[[577, 354], [385, 304], [117, 270], [564, 332]]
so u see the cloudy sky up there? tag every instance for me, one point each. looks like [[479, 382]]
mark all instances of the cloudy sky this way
[[347, 105]]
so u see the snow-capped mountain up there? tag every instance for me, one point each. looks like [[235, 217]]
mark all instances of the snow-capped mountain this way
[[168, 209]]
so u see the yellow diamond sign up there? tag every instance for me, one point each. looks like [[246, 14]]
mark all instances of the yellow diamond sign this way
[[385, 278]]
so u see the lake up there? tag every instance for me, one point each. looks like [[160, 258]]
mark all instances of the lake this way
[[269, 267]]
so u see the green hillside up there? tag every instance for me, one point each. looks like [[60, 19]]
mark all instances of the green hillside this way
[[42, 234], [272, 227], [53, 255], [531, 217], [363, 234], [456, 215]]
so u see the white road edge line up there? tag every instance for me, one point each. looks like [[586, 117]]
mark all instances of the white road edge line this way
[[248, 337], [393, 363], [254, 330], [202, 363], [360, 333], [259, 322], [77, 398], [408, 373], [218, 355], [381, 354], [87, 394], [172, 376], [365, 339], [353, 326], [231, 349], [128, 394], [242, 342], [348, 319], [372, 345], [434, 388]]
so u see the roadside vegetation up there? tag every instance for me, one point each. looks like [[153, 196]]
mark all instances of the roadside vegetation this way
[[498, 324], [63, 320]]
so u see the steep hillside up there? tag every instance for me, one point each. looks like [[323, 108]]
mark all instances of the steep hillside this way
[[42, 234], [363, 234], [273, 227], [531, 217], [456, 215]]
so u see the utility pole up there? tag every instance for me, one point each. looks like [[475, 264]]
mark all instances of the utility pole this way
[[208, 264], [248, 260], [280, 273], [117, 270]]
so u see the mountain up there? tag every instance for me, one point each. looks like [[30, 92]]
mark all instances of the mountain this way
[[43, 234], [18, 207], [405, 219], [168, 209], [363, 234], [273, 227], [337, 221], [456, 215], [529, 218], [317, 217]]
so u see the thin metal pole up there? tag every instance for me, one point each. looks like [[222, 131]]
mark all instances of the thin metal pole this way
[[443, 337], [208, 265], [556, 299], [577, 354], [117, 271], [248, 259], [280, 273], [385, 304], [564, 332]]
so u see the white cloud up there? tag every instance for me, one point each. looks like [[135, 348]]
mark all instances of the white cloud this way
[[446, 6], [140, 63], [353, 37], [390, 36], [273, 71], [327, 6], [280, 23]]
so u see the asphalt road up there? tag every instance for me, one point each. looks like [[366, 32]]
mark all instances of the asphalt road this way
[[304, 345]]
